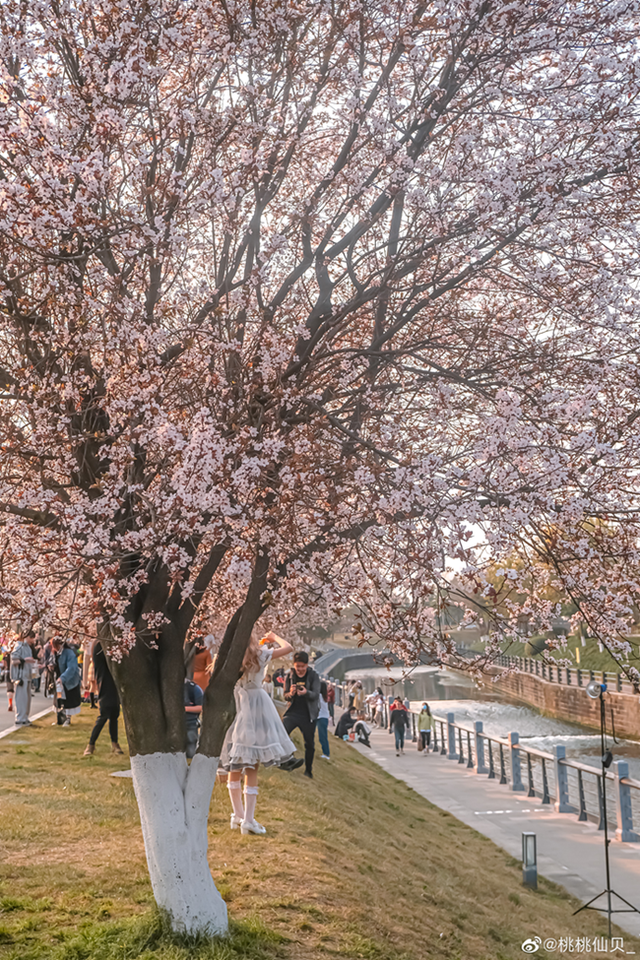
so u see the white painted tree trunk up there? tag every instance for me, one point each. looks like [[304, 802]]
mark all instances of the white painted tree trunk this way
[[174, 799]]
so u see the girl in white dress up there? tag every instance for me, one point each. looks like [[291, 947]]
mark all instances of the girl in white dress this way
[[257, 735]]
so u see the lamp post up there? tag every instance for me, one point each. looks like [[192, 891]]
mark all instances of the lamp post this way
[[596, 691]]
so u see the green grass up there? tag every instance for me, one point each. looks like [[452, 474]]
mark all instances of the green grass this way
[[149, 938], [355, 865]]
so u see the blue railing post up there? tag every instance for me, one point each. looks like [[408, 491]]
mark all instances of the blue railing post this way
[[481, 767], [516, 771], [451, 738], [582, 814], [625, 831], [562, 804], [545, 783]]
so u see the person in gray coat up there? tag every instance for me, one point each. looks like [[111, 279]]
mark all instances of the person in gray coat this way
[[22, 673]]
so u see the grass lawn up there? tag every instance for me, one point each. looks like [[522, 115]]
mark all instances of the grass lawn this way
[[355, 864]]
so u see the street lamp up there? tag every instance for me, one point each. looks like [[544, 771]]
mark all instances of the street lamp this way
[[596, 691]]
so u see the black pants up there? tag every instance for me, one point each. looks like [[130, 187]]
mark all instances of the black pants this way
[[308, 730], [109, 712]]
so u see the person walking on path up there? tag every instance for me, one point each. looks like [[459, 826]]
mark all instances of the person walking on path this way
[[358, 696], [22, 672], [278, 682], [92, 690], [398, 722], [36, 653], [323, 722], [67, 674], [302, 693], [48, 670], [331, 702], [6, 667], [424, 728], [379, 702], [108, 702], [257, 735]]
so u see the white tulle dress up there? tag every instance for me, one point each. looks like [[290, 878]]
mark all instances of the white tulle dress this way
[[257, 735]]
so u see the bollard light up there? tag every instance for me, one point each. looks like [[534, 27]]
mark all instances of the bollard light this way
[[529, 861]]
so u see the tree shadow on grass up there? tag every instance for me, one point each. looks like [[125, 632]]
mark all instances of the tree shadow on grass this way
[[150, 938]]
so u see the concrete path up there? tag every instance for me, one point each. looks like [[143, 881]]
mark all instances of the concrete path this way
[[7, 720], [569, 853]]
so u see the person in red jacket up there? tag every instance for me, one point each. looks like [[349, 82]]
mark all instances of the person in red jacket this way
[[398, 722], [331, 702]]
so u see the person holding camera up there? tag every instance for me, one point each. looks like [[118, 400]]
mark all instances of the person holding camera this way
[[302, 693], [22, 673]]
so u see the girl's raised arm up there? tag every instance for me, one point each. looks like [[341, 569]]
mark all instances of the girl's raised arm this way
[[280, 647]]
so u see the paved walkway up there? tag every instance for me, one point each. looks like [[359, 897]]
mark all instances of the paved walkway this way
[[569, 853], [7, 720]]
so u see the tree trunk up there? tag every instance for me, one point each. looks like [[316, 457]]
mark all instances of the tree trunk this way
[[174, 799], [173, 796]]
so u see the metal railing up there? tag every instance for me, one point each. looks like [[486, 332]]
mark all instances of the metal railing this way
[[567, 676], [572, 786]]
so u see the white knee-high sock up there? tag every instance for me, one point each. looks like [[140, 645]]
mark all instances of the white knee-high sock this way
[[250, 800], [235, 795]]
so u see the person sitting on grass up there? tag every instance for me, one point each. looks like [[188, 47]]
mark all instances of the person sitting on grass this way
[[346, 721], [362, 730]]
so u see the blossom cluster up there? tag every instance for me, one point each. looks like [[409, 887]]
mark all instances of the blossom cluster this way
[[355, 292]]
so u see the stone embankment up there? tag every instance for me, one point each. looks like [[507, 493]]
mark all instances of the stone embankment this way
[[568, 701]]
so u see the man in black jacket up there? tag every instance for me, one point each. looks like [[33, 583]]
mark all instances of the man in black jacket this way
[[108, 701], [302, 693]]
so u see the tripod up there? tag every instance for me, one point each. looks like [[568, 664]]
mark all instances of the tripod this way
[[609, 892]]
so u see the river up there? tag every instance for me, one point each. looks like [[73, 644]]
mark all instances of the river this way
[[450, 691]]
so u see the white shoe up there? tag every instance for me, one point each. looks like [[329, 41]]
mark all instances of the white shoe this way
[[251, 826], [235, 821], [325, 757]]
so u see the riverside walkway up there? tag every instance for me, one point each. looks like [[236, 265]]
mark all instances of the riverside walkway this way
[[570, 853]]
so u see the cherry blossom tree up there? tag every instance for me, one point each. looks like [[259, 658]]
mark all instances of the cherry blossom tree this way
[[301, 302]]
